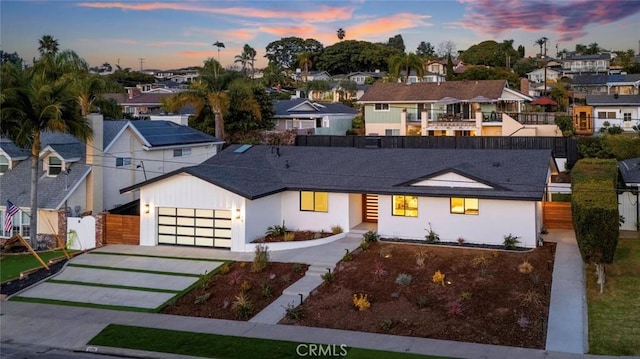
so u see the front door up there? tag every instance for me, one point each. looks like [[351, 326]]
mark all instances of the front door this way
[[370, 208]]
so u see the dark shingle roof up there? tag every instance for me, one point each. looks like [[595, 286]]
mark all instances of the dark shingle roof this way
[[603, 79], [432, 91], [620, 100], [259, 171], [630, 170], [286, 108], [110, 129], [167, 133], [69, 151], [15, 152]]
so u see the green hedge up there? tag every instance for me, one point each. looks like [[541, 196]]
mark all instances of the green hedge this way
[[594, 205], [620, 147]]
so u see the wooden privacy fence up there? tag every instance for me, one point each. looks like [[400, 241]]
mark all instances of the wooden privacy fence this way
[[121, 229], [557, 215]]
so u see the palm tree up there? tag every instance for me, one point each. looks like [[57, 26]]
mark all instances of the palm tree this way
[[218, 44], [540, 42], [593, 48], [37, 99], [406, 62], [88, 87], [341, 34], [48, 45], [251, 54], [244, 60], [208, 96], [305, 63]]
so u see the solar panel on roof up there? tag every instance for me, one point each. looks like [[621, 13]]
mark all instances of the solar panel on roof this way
[[242, 149]]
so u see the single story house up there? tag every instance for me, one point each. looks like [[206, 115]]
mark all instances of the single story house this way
[[321, 118], [231, 199]]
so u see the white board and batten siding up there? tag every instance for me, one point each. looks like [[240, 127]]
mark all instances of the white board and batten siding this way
[[188, 192], [496, 219], [338, 213]]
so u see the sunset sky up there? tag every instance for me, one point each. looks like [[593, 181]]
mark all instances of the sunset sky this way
[[174, 34]]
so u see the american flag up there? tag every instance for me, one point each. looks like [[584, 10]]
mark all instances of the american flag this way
[[11, 210]]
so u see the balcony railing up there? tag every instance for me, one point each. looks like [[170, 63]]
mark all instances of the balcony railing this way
[[536, 118]]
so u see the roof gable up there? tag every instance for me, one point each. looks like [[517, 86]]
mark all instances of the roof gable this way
[[453, 179]]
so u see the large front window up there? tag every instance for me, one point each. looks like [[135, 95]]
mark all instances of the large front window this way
[[406, 206], [464, 205], [314, 201]]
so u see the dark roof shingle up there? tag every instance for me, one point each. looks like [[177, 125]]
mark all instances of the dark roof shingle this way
[[432, 91]]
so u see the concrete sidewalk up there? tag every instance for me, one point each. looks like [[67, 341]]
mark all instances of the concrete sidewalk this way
[[567, 324]]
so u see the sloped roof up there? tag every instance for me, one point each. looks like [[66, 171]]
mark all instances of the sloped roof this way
[[630, 171], [167, 133], [620, 100], [288, 108], [432, 91], [604, 79], [15, 152], [260, 171]]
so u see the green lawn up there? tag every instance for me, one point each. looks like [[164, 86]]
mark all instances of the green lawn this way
[[12, 265], [220, 346], [614, 316]]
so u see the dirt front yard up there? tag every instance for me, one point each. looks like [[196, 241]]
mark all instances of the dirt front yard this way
[[439, 292]]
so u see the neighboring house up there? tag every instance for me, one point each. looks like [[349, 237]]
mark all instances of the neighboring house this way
[[320, 118], [583, 85], [82, 177], [616, 110], [440, 66], [586, 64], [452, 108], [538, 75], [137, 104], [300, 75], [628, 203], [427, 77], [360, 77], [231, 199], [340, 94]]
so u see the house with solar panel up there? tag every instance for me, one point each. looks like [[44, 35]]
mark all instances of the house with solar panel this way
[[231, 199], [76, 178]]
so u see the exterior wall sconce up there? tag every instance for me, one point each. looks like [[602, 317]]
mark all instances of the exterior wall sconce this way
[[237, 213], [146, 208]]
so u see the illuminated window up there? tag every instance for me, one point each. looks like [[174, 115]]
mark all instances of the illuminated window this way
[[55, 166], [464, 205], [314, 201], [405, 206]]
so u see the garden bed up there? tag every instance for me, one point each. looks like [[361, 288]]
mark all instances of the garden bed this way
[[294, 236], [485, 296], [238, 293]]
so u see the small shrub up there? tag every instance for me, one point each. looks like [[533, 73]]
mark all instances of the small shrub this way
[[235, 278], [438, 278], [421, 256], [225, 303], [317, 235], [204, 281], [243, 264], [347, 257], [277, 230], [364, 245], [480, 261], [361, 302], [327, 277], [432, 236], [289, 236], [336, 229], [614, 130], [202, 298], [386, 324], [460, 241], [421, 302], [225, 269], [285, 278], [534, 278], [379, 271], [523, 321], [266, 290], [404, 279], [530, 298], [297, 267], [386, 252], [510, 241], [292, 312], [466, 295], [261, 258], [243, 306], [455, 307], [245, 286], [525, 267], [371, 236], [495, 254]]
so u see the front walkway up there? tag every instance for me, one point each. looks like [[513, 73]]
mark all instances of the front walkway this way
[[567, 324]]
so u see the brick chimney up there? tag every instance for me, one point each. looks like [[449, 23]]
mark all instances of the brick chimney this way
[[524, 86]]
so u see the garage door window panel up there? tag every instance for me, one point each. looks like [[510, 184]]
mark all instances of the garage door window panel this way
[[194, 227]]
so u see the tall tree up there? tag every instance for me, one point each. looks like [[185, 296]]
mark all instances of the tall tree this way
[[446, 48], [7, 57], [397, 42], [250, 107], [244, 60], [581, 49], [38, 99], [219, 45], [593, 48], [284, 52], [426, 50], [341, 34], [406, 63], [542, 42], [305, 63], [251, 55]]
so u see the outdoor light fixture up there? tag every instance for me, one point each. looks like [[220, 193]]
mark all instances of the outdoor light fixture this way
[[146, 208]]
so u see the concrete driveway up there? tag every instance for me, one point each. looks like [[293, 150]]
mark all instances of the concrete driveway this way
[[115, 276]]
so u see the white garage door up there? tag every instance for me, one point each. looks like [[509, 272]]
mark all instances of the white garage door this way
[[194, 227]]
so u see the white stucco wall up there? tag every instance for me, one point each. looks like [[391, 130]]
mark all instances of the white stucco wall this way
[[185, 191], [261, 214], [496, 219], [355, 211], [338, 213], [156, 162]]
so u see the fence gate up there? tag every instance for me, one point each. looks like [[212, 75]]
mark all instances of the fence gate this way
[[121, 229], [630, 210], [557, 215]]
